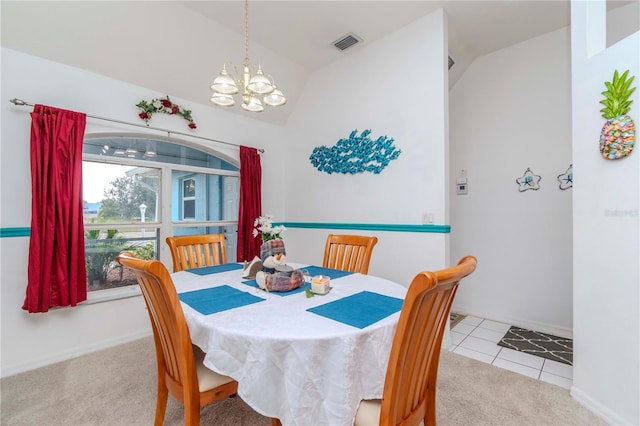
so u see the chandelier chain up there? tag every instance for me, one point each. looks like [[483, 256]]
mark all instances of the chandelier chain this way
[[246, 32]]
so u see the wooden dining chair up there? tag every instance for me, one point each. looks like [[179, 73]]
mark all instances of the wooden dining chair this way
[[348, 252], [409, 393], [195, 251], [181, 371]]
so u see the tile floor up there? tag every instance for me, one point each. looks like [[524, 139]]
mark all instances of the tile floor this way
[[477, 338]]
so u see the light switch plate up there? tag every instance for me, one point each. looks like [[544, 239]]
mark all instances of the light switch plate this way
[[427, 218]]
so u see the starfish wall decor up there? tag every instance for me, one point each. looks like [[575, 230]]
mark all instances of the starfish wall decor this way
[[528, 181], [566, 179]]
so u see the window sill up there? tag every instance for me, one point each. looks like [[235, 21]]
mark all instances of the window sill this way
[[100, 296]]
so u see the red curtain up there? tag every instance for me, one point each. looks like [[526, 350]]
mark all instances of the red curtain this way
[[250, 203], [56, 271]]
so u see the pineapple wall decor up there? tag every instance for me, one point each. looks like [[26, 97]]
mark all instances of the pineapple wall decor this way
[[618, 133], [528, 181]]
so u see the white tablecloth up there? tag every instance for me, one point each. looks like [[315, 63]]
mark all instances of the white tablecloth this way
[[294, 365]]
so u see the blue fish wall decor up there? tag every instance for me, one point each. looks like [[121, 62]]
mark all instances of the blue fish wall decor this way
[[357, 154]]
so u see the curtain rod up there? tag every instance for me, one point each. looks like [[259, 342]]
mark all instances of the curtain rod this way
[[20, 102]]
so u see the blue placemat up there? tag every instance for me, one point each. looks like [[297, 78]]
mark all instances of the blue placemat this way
[[334, 274], [217, 299], [360, 309], [207, 270], [254, 284]]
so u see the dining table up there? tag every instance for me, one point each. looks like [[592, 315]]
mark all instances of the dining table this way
[[303, 358]]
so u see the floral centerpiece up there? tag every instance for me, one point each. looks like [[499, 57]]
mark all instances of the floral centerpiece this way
[[264, 226]]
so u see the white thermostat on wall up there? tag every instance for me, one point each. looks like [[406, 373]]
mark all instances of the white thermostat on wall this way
[[462, 187]]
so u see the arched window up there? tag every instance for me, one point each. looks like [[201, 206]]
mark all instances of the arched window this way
[[138, 190]]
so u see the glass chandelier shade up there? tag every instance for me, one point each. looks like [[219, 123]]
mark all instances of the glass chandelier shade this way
[[252, 104], [252, 84], [275, 98], [222, 99], [259, 83], [224, 83]]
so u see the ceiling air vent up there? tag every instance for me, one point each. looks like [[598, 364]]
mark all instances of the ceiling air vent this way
[[451, 62], [347, 41]]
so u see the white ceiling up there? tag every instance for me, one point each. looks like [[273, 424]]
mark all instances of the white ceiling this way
[[304, 31], [143, 43]]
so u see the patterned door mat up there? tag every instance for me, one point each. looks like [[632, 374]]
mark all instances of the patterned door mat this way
[[539, 344], [455, 319]]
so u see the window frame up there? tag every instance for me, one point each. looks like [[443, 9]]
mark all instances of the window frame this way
[[164, 225]]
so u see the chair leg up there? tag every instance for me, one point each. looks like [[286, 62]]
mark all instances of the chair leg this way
[[430, 416], [192, 411], [161, 403]]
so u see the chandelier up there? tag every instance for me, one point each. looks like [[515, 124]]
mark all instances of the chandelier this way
[[253, 83]]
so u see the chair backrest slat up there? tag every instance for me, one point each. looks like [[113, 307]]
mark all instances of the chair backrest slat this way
[[349, 252], [196, 251]]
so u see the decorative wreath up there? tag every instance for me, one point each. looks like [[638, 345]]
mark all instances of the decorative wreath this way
[[148, 108]]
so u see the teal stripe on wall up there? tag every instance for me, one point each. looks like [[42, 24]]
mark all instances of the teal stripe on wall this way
[[438, 229], [14, 232]]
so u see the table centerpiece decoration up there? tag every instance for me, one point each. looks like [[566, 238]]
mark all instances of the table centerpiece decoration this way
[[272, 250]]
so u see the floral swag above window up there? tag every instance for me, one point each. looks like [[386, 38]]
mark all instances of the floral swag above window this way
[[148, 108]]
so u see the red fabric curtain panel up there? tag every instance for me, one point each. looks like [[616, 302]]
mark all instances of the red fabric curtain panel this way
[[250, 203], [56, 270]]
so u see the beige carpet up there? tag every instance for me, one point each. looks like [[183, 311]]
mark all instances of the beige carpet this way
[[117, 387]]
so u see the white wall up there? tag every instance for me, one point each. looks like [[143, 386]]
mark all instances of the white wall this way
[[606, 267], [511, 111], [396, 87], [31, 340]]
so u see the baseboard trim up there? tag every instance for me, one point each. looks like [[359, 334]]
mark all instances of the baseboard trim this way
[[74, 353], [597, 408], [541, 327]]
